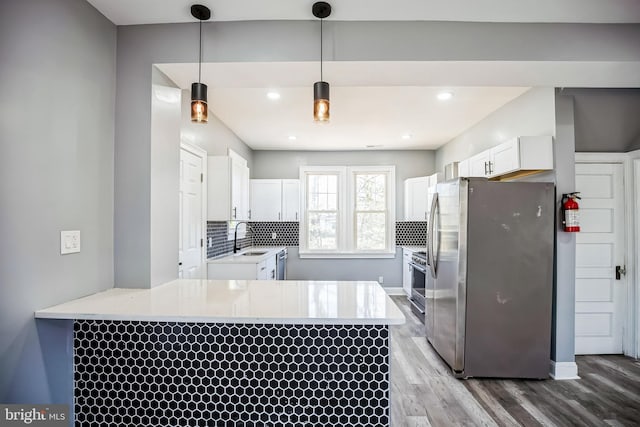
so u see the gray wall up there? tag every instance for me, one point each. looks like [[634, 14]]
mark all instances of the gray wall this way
[[57, 80], [563, 336], [530, 114], [139, 47], [606, 120], [286, 164]]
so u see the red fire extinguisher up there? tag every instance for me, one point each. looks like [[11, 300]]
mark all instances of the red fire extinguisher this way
[[570, 212]]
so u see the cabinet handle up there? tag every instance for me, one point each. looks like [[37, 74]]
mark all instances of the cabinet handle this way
[[279, 216], [296, 216], [485, 169], [490, 167], [234, 212], [249, 213]]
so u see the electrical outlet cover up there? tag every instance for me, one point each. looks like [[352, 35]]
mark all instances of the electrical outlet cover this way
[[69, 242]]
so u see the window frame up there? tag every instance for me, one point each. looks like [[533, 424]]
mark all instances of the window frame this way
[[346, 212]]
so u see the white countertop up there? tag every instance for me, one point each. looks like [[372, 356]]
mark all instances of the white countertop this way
[[239, 258], [239, 301]]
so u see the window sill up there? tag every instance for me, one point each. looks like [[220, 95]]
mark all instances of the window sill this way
[[346, 255]]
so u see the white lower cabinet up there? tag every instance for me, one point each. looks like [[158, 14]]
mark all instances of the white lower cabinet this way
[[406, 270], [266, 270]]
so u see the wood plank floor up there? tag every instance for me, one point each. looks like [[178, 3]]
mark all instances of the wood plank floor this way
[[424, 393]]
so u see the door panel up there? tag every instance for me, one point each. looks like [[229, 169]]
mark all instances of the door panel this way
[[599, 248], [190, 248]]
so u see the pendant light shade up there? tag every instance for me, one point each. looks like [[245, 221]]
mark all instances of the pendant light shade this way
[[199, 109], [321, 100]]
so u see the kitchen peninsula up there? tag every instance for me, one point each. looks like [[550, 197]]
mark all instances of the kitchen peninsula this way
[[192, 352]]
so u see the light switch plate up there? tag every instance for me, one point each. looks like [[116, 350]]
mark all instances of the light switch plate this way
[[69, 242]]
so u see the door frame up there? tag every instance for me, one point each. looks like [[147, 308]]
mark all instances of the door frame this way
[[199, 152], [631, 182]]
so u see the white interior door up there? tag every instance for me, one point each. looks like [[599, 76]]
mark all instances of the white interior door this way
[[599, 249], [190, 241]]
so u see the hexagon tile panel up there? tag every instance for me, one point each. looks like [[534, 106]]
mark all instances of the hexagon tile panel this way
[[193, 374]]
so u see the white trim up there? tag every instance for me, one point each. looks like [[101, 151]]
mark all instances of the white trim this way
[[197, 151], [336, 255], [631, 182], [345, 230], [563, 370], [394, 290], [634, 328]]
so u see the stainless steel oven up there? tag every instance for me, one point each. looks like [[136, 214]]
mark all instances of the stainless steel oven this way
[[419, 273]]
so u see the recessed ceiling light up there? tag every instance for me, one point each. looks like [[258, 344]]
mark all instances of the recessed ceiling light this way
[[406, 136], [443, 96], [292, 137], [374, 146], [273, 95]]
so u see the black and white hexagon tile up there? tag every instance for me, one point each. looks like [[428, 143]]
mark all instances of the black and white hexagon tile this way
[[194, 374]]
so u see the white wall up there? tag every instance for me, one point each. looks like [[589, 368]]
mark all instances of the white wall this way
[[530, 114], [57, 86], [539, 111], [214, 137]]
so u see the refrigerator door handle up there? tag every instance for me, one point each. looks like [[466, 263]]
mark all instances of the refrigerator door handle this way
[[430, 235]]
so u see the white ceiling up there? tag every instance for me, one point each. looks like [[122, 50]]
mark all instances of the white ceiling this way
[[375, 104], [127, 12]]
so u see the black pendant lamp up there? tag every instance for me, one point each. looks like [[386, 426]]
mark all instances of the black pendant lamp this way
[[321, 10], [199, 110]]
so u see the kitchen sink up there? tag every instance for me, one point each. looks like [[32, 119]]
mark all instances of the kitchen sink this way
[[253, 253]]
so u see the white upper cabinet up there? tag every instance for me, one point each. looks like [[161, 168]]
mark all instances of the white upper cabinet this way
[[275, 199], [227, 189], [266, 196], [479, 164], [418, 193], [290, 199], [415, 198], [516, 157]]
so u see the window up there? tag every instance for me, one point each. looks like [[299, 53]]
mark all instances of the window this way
[[349, 211]]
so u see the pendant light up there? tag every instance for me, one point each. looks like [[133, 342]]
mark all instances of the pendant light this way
[[321, 10], [199, 110]]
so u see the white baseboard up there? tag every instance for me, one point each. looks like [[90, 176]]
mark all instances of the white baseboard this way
[[394, 290], [564, 371]]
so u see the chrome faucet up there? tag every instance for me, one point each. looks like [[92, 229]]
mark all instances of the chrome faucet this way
[[235, 235]]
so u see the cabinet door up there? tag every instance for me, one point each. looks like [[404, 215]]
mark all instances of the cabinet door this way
[[261, 271], [463, 168], [406, 271], [479, 164], [270, 264], [239, 190], [290, 200], [415, 198], [266, 195], [505, 158]]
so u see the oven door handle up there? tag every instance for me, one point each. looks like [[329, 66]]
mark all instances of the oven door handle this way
[[418, 267], [420, 309]]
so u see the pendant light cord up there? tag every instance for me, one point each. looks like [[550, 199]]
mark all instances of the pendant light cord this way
[[200, 54], [321, 79]]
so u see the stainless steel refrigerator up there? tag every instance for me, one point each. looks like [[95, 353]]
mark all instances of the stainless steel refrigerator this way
[[489, 290]]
